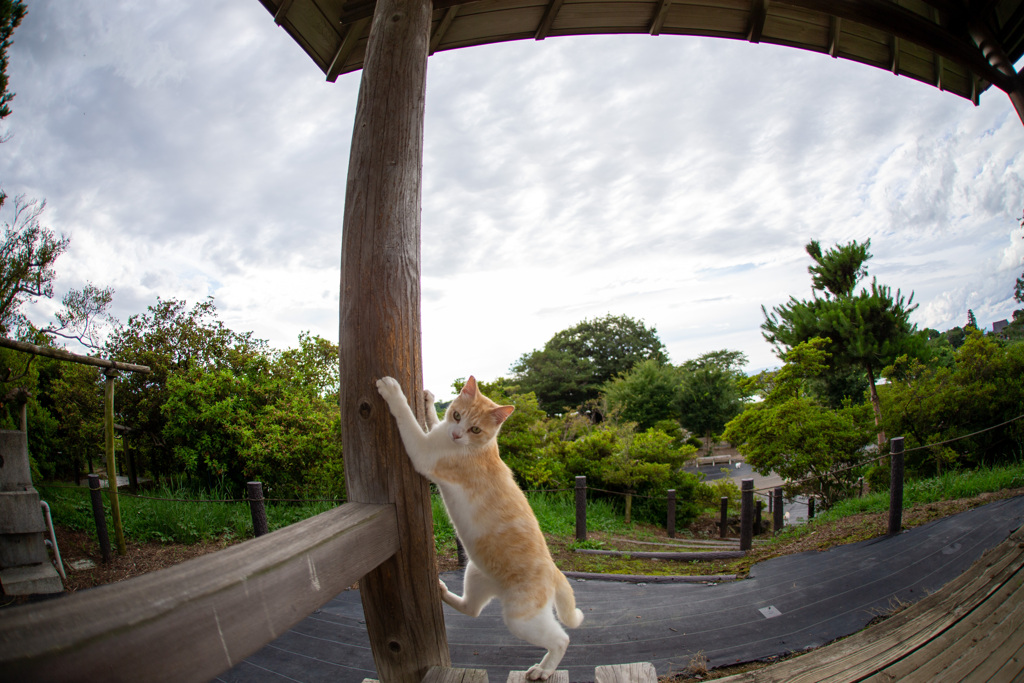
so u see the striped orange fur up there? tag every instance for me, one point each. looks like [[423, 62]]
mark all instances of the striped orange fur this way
[[508, 557]]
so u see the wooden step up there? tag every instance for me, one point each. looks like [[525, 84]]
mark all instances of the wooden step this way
[[637, 672]]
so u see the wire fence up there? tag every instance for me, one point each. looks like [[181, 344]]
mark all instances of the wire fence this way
[[765, 489]]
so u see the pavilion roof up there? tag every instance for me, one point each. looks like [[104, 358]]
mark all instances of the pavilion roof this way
[[927, 40]]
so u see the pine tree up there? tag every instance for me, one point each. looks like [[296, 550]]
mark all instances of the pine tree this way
[[867, 330]]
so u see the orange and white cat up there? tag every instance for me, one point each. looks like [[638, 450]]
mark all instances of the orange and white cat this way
[[508, 557]]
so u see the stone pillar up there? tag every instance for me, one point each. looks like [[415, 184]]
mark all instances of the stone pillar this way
[[25, 567]]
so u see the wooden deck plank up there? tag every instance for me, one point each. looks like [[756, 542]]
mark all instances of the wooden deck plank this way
[[1012, 670], [636, 672], [871, 651], [969, 643], [867, 652]]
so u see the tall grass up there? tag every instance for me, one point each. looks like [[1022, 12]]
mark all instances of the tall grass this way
[[949, 486], [172, 521]]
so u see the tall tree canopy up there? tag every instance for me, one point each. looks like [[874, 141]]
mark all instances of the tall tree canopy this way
[[710, 392], [868, 329], [575, 363]]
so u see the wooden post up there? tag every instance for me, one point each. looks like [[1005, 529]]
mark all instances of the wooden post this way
[[895, 485], [671, 526], [723, 525], [99, 516], [380, 335], [746, 513], [581, 508], [629, 506], [108, 430], [810, 508], [758, 525], [254, 492], [779, 510]]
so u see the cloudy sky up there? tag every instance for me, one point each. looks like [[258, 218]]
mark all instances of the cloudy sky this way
[[190, 148]]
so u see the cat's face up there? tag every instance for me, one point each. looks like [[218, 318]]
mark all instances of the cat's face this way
[[472, 419]]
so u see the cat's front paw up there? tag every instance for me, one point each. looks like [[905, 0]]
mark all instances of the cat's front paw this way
[[390, 390], [537, 673], [428, 398]]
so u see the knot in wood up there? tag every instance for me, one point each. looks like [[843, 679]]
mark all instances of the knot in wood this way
[[365, 409], [395, 646], [397, 16]]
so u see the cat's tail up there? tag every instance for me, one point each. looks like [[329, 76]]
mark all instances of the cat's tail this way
[[565, 602]]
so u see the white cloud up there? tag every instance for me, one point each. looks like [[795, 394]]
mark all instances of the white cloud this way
[[193, 149]]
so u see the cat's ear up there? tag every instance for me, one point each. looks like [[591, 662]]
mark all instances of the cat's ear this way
[[501, 413], [469, 390]]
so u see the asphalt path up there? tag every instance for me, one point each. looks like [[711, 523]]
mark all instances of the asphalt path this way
[[788, 604]]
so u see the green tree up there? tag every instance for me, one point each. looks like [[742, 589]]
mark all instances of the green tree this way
[[710, 392], [171, 339], [934, 404], [646, 394], [11, 14], [814, 448], [868, 329], [576, 363], [27, 256]]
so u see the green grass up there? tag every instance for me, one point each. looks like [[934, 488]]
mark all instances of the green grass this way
[[194, 522], [949, 486], [172, 521]]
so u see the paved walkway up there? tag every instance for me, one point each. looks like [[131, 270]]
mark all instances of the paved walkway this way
[[788, 604]]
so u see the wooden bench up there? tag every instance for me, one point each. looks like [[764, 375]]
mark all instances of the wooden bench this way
[[970, 630]]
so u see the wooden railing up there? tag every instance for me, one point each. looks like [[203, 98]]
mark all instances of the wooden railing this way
[[197, 619]]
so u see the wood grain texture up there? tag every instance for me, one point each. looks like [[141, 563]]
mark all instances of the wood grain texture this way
[[380, 336], [441, 674], [635, 672], [969, 630], [194, 620]]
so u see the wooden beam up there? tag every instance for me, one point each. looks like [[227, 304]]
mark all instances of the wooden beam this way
[[348, 43], [197, 619], [282, 11], [380, 335], [660, 16], [758, 15], [442, 28], [61, 354], [835, 27], [548, 19], [889, 17], [894, 54]]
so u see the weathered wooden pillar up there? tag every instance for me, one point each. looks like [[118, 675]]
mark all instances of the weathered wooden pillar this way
[[380, 335], [108, 433]]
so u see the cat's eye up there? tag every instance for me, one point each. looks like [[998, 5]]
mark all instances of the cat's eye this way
[[475, 430], [456, 416]]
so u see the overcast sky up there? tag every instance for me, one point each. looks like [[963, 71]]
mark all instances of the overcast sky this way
[[190, 148]]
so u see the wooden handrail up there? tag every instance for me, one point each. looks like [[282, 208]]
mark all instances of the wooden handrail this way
[[194, 620]]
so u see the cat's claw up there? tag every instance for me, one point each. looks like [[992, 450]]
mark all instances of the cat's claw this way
[[389, 388]]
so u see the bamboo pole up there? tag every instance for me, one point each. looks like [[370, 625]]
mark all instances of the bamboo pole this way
[[108, 431]]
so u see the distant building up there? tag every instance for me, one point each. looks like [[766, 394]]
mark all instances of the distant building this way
[[998, 326]]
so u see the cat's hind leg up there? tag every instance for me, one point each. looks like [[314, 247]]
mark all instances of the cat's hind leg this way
[[541, 630], [478, 589]]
